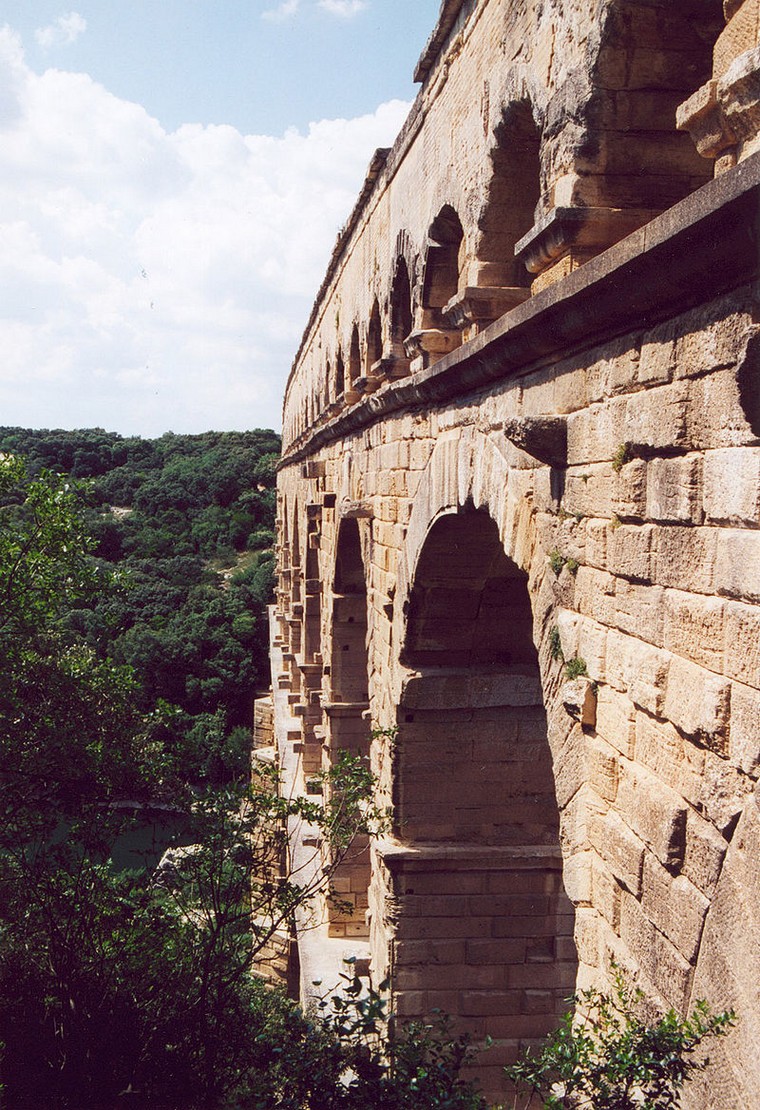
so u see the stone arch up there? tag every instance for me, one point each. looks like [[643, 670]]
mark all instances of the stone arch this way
[[295, 556], [327, 377], [476, 870], [294, 615], [635, 124], [339, 377], [473, 669], [514, 193], [374, 350], [312, 615], [443, 264], [347, 714], [467, 466], [401, 317], [354, 358]]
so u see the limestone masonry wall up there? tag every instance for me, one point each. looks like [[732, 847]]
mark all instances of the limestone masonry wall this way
[[519, 522]]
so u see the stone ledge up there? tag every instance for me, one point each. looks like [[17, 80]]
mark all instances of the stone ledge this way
[[467, 857]]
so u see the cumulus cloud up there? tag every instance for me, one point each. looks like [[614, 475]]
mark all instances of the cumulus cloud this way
[[152, 280], [65, 30], [344, 8], [286, 10]]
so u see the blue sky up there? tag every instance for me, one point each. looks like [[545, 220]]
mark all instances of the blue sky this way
[[172, 177]]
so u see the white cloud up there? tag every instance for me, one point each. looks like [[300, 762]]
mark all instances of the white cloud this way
[[65, 30], [151, 280], [344, 8], [286, 10]]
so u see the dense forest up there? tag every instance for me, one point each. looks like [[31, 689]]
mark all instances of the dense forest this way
[[182, 529]]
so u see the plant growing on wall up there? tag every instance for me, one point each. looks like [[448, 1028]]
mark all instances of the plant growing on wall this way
[[604, 1056]]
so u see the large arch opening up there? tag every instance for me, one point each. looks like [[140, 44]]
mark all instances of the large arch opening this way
[[347, 714], [484, 929], [312, 617]]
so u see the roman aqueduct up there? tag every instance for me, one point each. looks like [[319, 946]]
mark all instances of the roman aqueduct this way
[[519, 521]]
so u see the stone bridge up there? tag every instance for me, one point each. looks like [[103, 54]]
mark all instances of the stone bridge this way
[[519, 522]]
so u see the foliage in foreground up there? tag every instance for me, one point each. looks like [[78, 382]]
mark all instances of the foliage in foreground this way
[[604, 1056], [132, 987]]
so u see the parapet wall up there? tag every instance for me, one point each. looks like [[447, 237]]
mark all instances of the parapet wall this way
[[533, 560]]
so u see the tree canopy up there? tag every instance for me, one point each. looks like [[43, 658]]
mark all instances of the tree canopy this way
[[182, 526]]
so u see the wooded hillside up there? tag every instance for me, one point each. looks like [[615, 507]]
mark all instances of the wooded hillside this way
[[184, 525]]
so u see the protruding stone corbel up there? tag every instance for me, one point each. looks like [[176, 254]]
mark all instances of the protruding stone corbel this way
[[566, 237], [739, 95], [374, 378], [702, 116], [480, 306], [356, 510], [427, 345], [543, 437], [579, 699]]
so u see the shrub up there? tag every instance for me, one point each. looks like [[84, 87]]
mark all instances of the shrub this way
[[605, 1057]]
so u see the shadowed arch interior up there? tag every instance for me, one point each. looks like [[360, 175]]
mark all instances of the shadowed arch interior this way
[[442, 265], [354, 357], [347, 711], [312, 616], [513, 194], [374, 340], [475, 802], [401, 315]]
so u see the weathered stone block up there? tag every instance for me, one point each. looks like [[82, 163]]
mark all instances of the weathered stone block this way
[[619, 847], [694, 628], [657, 359], [687, 557], [737, 567], [579, 699], [577, 873], [674, 490], [716, 417], [595, 595], [658, 418], [587, 937], [603, 768], [732, 486], [744, 745], [630, 551], [654, 812], [639, 610], [705, 852], [675, 906], [615, 720], [607, 893], [629, 490], [697, 702], [658, 958], [637, 669], [593, 434], [742, 643]]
